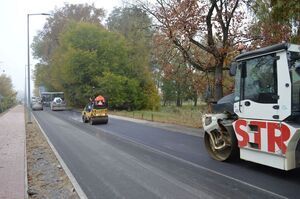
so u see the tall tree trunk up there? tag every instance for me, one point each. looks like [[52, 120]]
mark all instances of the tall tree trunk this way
[[219, 81], [195, 100], [178, 98], [178, 103]]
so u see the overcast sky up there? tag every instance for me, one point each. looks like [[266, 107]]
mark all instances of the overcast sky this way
[[13, 35]]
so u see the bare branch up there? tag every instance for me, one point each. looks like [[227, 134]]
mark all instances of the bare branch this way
[[210, 39], [187, 56]]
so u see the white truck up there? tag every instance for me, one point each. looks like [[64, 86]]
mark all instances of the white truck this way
[[260, 121]]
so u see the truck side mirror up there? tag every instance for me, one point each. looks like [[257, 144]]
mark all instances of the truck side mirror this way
[[232, 69]]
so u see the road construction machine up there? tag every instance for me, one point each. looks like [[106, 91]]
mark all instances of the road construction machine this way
[[95, 112], [260, 121]]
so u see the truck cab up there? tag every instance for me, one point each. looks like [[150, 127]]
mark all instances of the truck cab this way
[[265, 125]]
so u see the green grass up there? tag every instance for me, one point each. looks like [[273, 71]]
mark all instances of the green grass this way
[[186, 115]]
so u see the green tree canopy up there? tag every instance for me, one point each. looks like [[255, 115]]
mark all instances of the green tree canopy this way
[[122, 92], [7, 93], [136, 26], [91, 56], [47, 40], [275, 21], [76, 52]]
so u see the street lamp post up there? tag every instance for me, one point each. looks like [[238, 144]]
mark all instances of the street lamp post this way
[[25, 91], [28, 64]]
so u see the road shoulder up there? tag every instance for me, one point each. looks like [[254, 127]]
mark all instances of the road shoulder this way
[[46, 166]]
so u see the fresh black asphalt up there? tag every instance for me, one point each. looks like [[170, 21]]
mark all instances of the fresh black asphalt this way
[[117, 161]]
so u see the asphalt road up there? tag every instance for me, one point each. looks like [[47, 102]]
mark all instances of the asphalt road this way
[[126, 159]]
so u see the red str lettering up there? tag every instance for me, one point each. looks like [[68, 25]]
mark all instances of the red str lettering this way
[[242, 133], [257, 135], [278, 140]]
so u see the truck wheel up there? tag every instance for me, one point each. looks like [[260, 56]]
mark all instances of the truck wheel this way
[[297, 154], [221, 144], [92, 121], [84, 120]]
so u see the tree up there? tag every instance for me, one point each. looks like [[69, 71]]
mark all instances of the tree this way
[[288, 12], [47, 40], [136, 26], [201, 26], [275, 21], [42, 76], [122, 92], [84, 51], [179, 80], [6, 87], [196, 85], [7, 93], [90, 56]]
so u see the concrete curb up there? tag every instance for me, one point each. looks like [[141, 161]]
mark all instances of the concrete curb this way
[[73, 180]]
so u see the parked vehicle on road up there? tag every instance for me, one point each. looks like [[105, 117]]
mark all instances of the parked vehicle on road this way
[[36, 103], [95, 112], [48, 97], [58, 104]]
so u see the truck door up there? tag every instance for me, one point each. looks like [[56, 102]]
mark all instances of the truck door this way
[[256, 89]]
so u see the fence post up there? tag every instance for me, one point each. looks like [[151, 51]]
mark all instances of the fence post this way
[[152, 117], [142, 115]]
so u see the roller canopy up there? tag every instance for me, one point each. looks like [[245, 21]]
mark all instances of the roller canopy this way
[[100, 98]]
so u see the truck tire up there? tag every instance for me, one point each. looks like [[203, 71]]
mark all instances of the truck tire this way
[[222, 144], [91, 121], [84, 120], [297, 154]]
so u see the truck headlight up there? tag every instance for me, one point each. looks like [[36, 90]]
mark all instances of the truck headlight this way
[[207, 121]]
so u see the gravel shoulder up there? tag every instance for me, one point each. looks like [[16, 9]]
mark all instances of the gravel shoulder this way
[[46, 177]]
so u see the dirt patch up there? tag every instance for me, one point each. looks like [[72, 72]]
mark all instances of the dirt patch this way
[[46, 177]]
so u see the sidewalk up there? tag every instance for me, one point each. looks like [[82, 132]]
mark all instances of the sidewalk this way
[[12, 154]]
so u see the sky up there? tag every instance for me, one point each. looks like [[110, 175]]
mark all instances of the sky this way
[[13, 32]]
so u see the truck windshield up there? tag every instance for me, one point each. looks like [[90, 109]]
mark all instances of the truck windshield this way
[[259, 82], [100, 105], [295, 78]]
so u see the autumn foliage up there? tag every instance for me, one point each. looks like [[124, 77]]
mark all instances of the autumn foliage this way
[[203, 31]]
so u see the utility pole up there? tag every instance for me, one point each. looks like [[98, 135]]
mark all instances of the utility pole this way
[[28, 64], [25, 95]]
